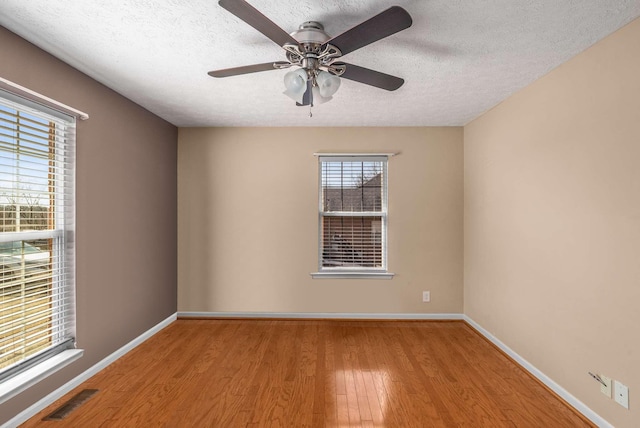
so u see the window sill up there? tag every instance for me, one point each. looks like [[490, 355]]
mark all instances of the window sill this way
[[352, 275], [15, 385]]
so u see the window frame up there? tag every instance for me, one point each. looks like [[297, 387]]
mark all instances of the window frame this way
[[22, 374], [354, 272]]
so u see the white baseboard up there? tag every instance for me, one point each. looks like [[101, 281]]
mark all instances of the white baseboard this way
[[563, 393], [321, 315], [29, 412]]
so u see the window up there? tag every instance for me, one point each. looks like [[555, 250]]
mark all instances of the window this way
[[353, 216], [37, 207]]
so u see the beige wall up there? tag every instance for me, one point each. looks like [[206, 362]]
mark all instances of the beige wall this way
[[248, 220], [126, 211], [552, 222]]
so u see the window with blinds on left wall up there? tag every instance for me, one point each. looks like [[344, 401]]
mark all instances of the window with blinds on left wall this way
[[37, 209]]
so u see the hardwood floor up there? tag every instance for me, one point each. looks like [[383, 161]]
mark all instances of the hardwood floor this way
[[324, 373]]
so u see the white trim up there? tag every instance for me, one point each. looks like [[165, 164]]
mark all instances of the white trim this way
[[364, 154], [352, 214], [32, 235], [30, 95], [352, 275], [29, 412], [322, 315], [20, 382], [563, 393]]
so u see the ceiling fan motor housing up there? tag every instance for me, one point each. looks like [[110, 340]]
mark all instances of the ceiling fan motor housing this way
[[313, 52], [311, 32]]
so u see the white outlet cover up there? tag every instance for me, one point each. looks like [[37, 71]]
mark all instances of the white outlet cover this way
[[426, 296], [621, 394]]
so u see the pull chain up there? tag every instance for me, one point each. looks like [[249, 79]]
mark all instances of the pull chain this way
[[310, 114]]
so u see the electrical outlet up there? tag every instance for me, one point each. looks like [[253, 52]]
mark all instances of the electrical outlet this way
[[426, 296], [606, 390], [621, 394]]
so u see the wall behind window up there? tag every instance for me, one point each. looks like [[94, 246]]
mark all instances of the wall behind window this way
[[248, 220], [126, 210]]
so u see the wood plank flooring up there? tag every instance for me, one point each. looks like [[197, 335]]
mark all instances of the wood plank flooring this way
[[319, 373]]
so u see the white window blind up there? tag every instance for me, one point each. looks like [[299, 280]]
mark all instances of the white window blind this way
[[37, 157], [353, 213]]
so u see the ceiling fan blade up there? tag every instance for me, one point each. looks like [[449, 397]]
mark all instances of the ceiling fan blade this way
[[307, 97], [257, 20], [380, 26], [236, 71], [371, 77]]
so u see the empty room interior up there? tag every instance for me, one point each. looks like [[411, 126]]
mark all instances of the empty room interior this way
[[444, 233]]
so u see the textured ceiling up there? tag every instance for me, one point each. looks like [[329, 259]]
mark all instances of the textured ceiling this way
[[459, 59]]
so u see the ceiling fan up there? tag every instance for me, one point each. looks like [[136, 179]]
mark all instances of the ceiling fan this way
[[315, 53]]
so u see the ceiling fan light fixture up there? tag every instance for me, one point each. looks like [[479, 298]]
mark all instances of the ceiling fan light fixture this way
[[295, 83], [317, 96], [328, 83]]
